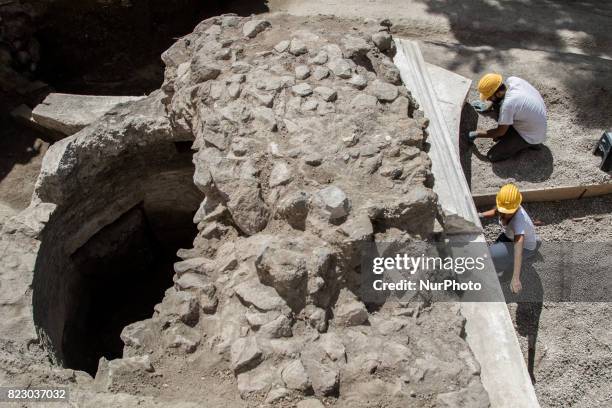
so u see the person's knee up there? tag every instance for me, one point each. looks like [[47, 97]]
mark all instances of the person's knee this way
[[495, 156], [502, 256]]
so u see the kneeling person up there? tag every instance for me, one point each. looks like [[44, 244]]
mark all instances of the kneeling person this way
[[521, 121], [518, 241]]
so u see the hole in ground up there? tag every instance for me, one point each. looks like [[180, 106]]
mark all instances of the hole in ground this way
[[115, 48], [123, 271], [104, 263]]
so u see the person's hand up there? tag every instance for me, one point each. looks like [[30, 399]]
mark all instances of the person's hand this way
[[480, 106], [515, 285], [471, 136]]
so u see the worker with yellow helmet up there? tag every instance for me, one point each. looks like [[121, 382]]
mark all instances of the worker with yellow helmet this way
[[520, 113], [518, 241]]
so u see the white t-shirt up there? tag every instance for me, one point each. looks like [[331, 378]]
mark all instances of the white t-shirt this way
[[521, 224], [524, 109]]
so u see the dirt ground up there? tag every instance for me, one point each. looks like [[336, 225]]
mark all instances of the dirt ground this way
[[573, 364], [21, 153]]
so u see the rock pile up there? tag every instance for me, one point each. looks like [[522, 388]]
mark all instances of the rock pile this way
[[306, 146]]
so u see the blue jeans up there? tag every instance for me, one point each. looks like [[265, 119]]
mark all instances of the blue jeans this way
[[502, 253]]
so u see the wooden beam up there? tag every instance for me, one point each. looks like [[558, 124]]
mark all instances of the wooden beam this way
[[550, 194]]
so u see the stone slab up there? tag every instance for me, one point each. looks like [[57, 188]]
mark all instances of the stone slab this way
[[67, 113], [452, 90], [489, 330], [450, 183]]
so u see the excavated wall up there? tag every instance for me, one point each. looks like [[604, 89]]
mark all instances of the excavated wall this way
[[306, 146], [117, 185]]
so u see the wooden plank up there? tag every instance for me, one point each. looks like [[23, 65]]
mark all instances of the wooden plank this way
[[550, 194]]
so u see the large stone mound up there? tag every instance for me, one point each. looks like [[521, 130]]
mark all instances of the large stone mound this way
[[306, 146]]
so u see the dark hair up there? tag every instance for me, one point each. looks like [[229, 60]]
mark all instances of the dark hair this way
[[502, 87]]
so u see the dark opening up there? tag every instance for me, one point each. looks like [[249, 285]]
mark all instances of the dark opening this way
[[123, 271], [115, 48]]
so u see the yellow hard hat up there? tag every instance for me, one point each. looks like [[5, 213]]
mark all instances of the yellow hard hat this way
[[488, 84], [508, 199]]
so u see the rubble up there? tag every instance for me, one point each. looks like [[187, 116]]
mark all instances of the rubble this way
[[253, 27], [245, 354], [295, 377], [383, 91], [334, 202], [293, 212], [382, 40], [350, 311], [302, 72], [302, 89], [297, 47], [110, 372]]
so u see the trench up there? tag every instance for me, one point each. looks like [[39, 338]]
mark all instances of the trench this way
[[114, 47]]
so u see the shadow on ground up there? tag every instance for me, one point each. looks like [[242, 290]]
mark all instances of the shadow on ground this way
[[534, 166], [115, 48], [529, 165], [572, 33], [534, 24], [21, 150], [16, 148], [529, 308]]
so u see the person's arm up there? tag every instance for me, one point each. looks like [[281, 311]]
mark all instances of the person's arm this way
[[496, 133], [488, 214], [515, 284]]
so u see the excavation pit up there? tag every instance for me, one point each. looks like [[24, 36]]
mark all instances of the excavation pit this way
[[120, 274], [107, 252]]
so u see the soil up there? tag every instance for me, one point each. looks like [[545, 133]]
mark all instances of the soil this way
[[572, 360]]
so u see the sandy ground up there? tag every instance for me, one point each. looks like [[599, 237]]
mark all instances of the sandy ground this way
[[573, 363]]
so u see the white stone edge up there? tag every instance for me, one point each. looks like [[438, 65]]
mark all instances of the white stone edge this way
[[489, 329]]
